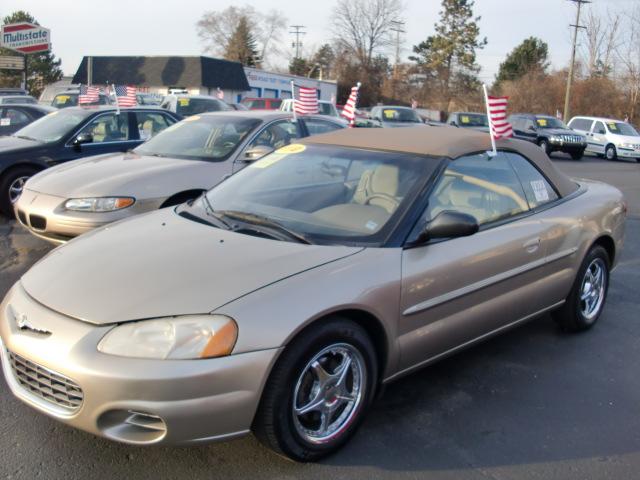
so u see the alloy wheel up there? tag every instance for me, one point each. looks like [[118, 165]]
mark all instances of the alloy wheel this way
[[329, 392], [593, 289], [16, 188]]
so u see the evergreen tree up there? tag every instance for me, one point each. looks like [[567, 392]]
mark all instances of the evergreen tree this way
[[298, 66], [448, 59], [242, 45], [42, 68], [530, 56]]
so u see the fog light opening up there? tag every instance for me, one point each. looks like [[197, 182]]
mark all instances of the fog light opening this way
[[132, 426]]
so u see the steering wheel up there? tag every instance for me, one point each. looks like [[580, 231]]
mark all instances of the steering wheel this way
[[383, 196]]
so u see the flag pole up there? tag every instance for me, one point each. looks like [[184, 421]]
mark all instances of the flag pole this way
[[494, 152], [115, 94], [293, 97], [352, 122]]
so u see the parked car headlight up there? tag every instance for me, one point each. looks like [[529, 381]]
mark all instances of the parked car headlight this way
[[555, 138], [176, 338], [99, 204], [626, 145]]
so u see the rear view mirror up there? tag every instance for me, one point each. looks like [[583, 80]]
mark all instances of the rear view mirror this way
[[449, 224], [256, 153]]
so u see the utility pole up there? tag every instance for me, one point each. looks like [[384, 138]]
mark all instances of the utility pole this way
[[297, 31], [567, 96], [398, 27]]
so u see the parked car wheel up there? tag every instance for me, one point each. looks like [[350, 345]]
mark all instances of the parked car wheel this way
[[586, 300], [318, 391], [577, 155], [610, 153], [11, 186], [544, 145]]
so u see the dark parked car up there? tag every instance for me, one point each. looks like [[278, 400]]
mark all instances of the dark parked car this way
[[72, 133], [15, 117], [70, 99], [478, 121], [551, 134], [394, 117], [18, 99]]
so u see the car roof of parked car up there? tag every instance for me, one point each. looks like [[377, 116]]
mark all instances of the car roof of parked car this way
[[438, 142]]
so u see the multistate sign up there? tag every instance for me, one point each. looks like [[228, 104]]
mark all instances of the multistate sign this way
[[25, 37]]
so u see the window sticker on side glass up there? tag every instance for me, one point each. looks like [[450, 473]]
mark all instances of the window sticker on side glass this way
[[5, 122], [539, 190]]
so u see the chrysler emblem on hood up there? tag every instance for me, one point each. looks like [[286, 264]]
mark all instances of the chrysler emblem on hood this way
[[24, 324]]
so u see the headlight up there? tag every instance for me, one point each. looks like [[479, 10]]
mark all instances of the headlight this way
[[555, 138], [102, 204], [187, 337], [626, 145]]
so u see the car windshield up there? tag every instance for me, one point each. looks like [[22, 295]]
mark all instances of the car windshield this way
[[550, 122], [473, 120], [621, 128], [149, 99], [187, 106], [54, 126], [326, 109], [402, 115], [325, 194], [200, 137]]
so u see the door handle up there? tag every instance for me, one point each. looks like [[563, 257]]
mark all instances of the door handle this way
[[532, 245]]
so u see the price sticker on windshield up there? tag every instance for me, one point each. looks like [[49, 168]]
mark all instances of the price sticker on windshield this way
[[464, 119], [612, 126], [542, 122], [389, 114], [184, 102], [278, 155], [293, 148], [62, 98]]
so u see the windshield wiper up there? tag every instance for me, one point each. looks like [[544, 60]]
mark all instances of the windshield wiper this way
[[24, 137], [260, 220], [208, 208]]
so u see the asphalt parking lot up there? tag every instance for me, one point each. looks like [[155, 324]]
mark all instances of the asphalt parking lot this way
[[531, 404]]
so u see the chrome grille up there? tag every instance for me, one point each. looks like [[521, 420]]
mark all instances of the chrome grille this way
[[46, 384], [571, 138]]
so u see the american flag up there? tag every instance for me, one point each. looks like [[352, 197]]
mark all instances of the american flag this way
[[497, 107], [88, 95], [125, 96], [307, 102], [349, 110]]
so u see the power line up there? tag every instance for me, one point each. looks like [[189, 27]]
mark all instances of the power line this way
[[567, 96], [297, 31]]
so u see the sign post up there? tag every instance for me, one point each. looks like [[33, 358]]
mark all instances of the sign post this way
[[25, 38]]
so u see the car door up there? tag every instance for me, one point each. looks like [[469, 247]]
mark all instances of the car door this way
[[457, 290], [110, 132], [273, 135], [598, 137]]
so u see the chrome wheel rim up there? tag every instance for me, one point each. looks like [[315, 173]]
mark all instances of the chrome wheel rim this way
[[593, 288], [610, 153], [16, 188], [329, 393], [543, 146]]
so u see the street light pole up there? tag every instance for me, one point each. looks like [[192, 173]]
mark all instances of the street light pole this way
[[567, 96]]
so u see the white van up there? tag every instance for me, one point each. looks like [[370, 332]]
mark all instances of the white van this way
[[608, 137]]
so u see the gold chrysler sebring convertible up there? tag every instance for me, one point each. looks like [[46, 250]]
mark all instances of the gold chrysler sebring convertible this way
[[281, 300]]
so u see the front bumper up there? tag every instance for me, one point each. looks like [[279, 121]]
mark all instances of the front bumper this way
[[567, 146], [627, 152], [192, 401], [45, 216]]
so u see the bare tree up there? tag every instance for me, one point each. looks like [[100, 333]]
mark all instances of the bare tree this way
[[363, 27], [628, 54], [602, 40], [216, 28]]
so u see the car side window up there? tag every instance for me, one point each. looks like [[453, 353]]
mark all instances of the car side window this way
[[528, 125], [483, 187], [109, 127], [276, 135], [599, 128], [316, 126], [151, 123], [536, 187], [13, 117]]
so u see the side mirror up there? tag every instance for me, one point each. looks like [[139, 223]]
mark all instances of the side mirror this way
[[531, 128], [83, 138], [256, 153], [449, 224]]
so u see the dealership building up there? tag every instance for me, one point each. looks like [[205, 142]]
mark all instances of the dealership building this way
[[197, 74]]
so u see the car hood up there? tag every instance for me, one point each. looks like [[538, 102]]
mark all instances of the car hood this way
[[626, 138], [161, 264], [10, 144], [104, 175], [560, 131]]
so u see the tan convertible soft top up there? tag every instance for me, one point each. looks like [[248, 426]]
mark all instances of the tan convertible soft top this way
[[450, 142]]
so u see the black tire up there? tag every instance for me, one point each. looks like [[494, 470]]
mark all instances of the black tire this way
[[6, 182], [544, 145], [275, 423], [571, 316], [577, 155], [610, 152]]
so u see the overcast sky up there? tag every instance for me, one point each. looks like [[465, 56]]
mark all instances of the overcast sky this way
[[154, 27]]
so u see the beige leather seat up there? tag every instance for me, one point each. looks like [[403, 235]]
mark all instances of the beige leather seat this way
[[378, 187]]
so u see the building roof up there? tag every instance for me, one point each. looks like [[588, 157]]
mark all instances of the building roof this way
[[450, 142], [164, 71]]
